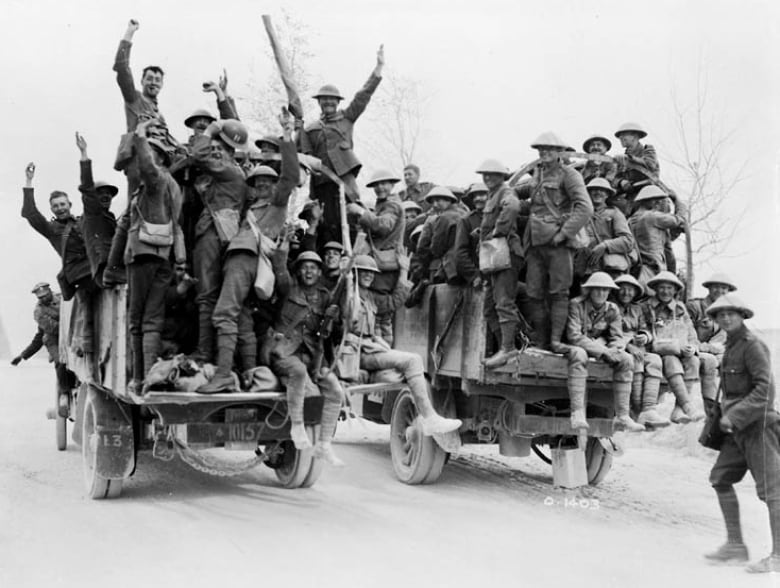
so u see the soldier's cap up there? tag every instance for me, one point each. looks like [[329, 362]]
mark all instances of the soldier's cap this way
[[328, 91], [106, 186], [631, 127], [305, 212], [550, 139], [333, 245], [665, 277], [308, 256], [264, 171], [199, 113], [589, 140], [493, 166], [382, 175], [729, 302], [270, 139], [631, 281], [650, 193], [720, 278], [600, 184], [41, 286], [440, 192], [411, 205], [472, 191], [600, 280], [367, 263]]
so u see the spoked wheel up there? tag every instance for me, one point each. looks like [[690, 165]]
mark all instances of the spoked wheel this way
[[298, 468], [598, 461], [96, 485], [417, 459]]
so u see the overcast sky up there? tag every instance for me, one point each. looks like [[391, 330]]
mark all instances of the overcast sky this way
[[497, 73]]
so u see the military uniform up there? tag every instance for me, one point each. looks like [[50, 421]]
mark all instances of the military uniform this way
[[417, 194], [712, 338], [467, 245], [642, 155], [651, 232], [609, 227], [98, 224], [599, 169]]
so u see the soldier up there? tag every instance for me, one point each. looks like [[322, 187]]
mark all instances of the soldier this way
[[295, 350], [559, 208], [712, 338], [330, 140], [467, 236], [412, 211], [376, 353], [262, 224], [331, 264], [594, 330], [64, 234], [415, 190], [650, 225], [269, 149], [437, 262], [752, 432], [674, 339], [610, 243], [499, 221], [628, 180], [647, 366], [98, 223], [598, 145], [148, 251]]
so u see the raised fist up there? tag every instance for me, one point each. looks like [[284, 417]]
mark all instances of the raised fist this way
[[29, 171]]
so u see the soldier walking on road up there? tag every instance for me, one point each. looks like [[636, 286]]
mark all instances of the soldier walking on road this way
[[752, 432]]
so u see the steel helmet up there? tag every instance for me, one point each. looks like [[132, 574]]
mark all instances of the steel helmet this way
[[600, 184], [308, 256], [632, 281], [493, 166], [720, 278], [411, 205], [200, 113], [262, 170], [649, 193], [589, 140], [631, 127], [270, 139], [440, 192], [382, 175], [600, 280], [366, 262], [328, 91], [550, 139], [333, 245], [106, 186], [476, 188], [40, 286], [665, 277], [729, 302], [234, 133]]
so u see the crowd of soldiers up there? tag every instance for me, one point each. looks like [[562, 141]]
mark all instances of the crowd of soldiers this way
[[573, 258]]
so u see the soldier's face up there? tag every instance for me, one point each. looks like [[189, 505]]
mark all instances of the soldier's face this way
[[332, 258], [410, 214], [717, 290], [263, 186], [217, 150], [548, 154], [729, 320], [328, 104], [45, 296], [492, 181], [626, 293], [60, 207], [365, 278], [597, 196], [199, 125], [151, 83], [480, 200], [383, 190], [411, 177], [665, 291], [105, 197], [597, 146], [309, 273], [440, 204], [598, 296], [628, 140]]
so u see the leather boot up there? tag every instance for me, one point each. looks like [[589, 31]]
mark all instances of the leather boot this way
[[623, 420], [247, 350], [559, 313], [151, 347], [636, 392], [432, 422], [508, 350], [138, 364], [205, 351], [492, 338], [537, 316], [649, 415], [577, 386], [223, 378], [677, 386]]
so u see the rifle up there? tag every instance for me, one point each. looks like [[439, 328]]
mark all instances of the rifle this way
[[293, 98]]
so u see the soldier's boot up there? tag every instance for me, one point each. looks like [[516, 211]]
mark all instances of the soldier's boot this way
[[577, 386], [649, 415], [734, 550], [324, 451], [223, 380], [537, 316], [247, 351], [151, 347], [623, 420], [205, 351], [492, 338], [508, 350], [333, 396], [559, 313], [680, 391], [136, 381], [637, 385], [772, 562], [432, 422], [691, 409]]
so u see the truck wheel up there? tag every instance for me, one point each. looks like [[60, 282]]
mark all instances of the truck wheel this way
[[598, 461], [298, 468], [417, 459], [96, 485]]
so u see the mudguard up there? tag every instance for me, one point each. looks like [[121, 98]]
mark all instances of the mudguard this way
[[114, 453]]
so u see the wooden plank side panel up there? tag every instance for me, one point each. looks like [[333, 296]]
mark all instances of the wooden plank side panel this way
[[411, 330], [446, 298]]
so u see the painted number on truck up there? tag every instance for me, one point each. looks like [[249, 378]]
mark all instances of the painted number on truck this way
[[109, 440], [243, 431]]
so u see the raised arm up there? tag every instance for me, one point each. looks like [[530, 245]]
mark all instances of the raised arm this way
[[29, 210], [124, 77], [225, 103], [291, 169], [363, 96]]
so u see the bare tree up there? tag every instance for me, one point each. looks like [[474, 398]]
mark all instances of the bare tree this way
[[705, 175]]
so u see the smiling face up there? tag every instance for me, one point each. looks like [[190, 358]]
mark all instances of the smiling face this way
[[598, 296], [309, 273], [365, 278], [598, 197], [328, 104], [626, 293], [104, 197], [60, 207], [199, 125], [492, 180], [479, 200], [597, 146], [729, 320], [151, 83], [383, 190], [332, 259], [548, 154], [665, 291], [717, 290], [264, 186]]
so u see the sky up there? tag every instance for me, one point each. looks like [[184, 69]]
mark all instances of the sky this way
[[496, 74]]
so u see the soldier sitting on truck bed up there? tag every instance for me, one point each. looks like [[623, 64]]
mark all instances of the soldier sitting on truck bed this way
[[594, 330], [360, 314], [467, 236]]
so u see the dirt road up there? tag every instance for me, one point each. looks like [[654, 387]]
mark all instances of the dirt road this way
[[489, 521]]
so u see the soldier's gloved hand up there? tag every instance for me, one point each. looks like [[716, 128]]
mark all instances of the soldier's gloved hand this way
[[16, 360]]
